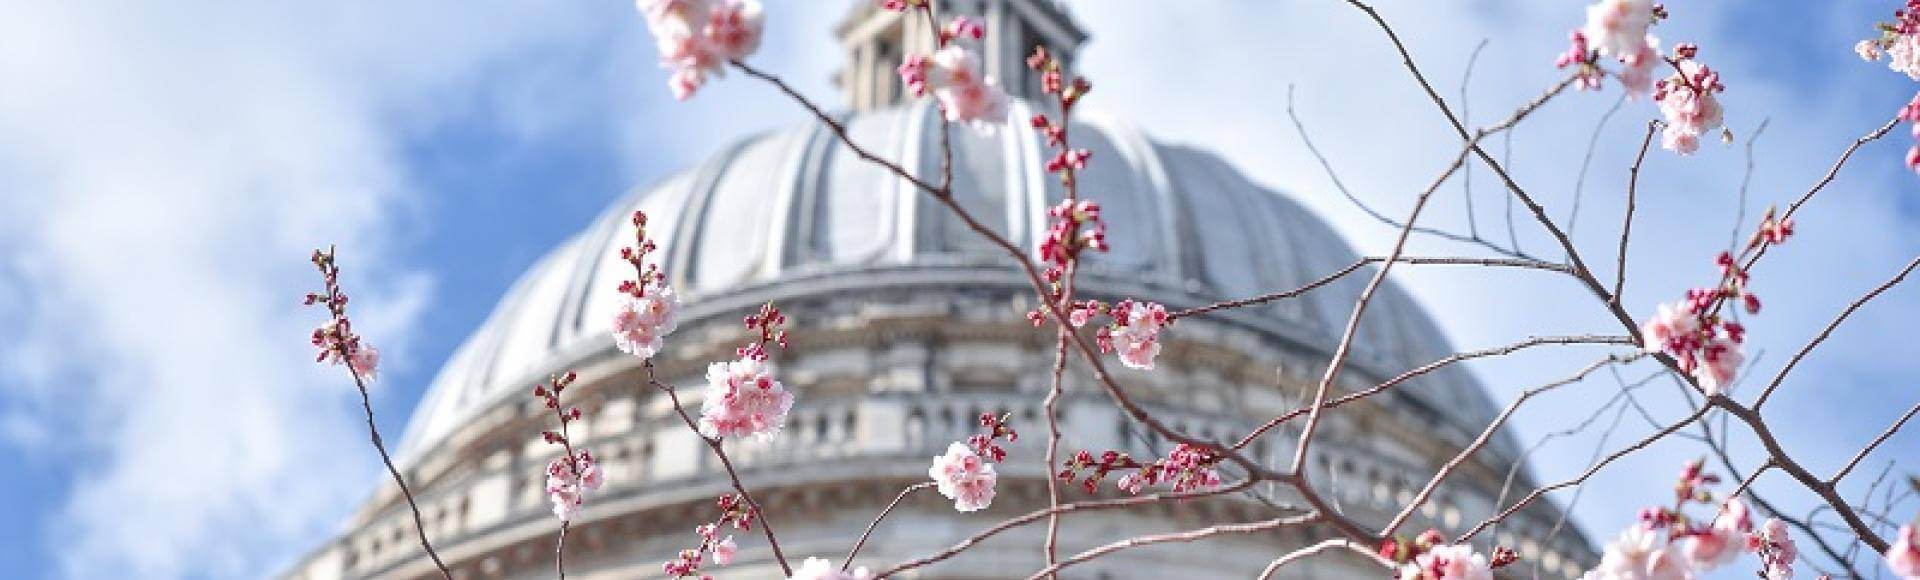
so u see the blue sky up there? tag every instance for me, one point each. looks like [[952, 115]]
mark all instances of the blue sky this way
[[163, 171]]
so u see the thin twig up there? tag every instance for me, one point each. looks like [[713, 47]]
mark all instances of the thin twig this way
[[1831, 326], [1626, 226], [844, 566]]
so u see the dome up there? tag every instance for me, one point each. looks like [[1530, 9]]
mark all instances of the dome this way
[[796, 212]]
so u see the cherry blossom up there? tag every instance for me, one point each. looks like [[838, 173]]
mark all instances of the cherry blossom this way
[[696, 38], [1776, 549], [1868, 50], [723, 551], [1639, 554], [964, 477], [365, 361], [1636, 71], [743, 398], [952, 73], [1186, 468], [569, 480], [1716, 545], [335, 339], [1617, 27], [1720, 361], [965, 94], [648, 306], [574, 473], [1688, 101], [1135, 334], [1898, 40], [734, 511], [1449, 562], [1903, 557], [1670, 322], [641, 325], [821, 569]]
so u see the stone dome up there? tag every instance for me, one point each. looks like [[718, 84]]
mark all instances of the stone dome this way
[[905, 325], [793, 212]]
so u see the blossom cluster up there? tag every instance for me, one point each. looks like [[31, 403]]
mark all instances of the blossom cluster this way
[[734, 511], [335, 339], [1898, 40], [1668, 543], [697, 38], [648, 307], [1617, 29], [953, 73], [743, 398], [1688, 101], [1688, 98], [1429, 557], [1134, 332], [1693, 331], [573, 474], [1186, 468], [965, 472]]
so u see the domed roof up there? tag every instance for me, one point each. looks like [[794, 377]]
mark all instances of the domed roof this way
[[1185, 228]]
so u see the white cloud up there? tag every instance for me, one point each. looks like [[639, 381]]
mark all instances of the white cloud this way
[[165, 170]]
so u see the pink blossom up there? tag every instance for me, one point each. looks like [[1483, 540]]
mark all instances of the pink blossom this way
[[724, 550], [1672, 321], [1639, 554], [566, 489], [981, 104], [1136, 335], [913, 73], [964, 93], [1720, 361], [964, 477], [1688, 102], [1618, 27], [743, 398], [821, 569], [1717, 545], [1636, 72], [1776, 548], [365, 361], [1904, 556], [1868, 50], [642, 324], [733, 30], [696, 38], [1904, 55], [1448, 562]]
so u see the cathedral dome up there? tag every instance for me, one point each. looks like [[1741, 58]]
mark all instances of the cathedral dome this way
[[905, 326], [795, 212]]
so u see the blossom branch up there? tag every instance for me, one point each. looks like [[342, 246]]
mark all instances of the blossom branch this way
[[338, 343], [733, 476]]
